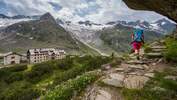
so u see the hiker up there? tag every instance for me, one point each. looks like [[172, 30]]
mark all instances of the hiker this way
[[137, 41]]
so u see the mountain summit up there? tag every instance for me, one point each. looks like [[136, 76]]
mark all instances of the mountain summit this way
[[48, 17], [41, 33]]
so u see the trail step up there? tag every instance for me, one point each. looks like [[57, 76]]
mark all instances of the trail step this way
[[154, 44], [158, 47], [154, 55], [158, 50], [136, 62], [136, 67]]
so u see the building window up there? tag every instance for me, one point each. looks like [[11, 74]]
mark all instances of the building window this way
[[12, 57]]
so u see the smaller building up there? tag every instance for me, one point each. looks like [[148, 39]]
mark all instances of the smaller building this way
[[13, 58]]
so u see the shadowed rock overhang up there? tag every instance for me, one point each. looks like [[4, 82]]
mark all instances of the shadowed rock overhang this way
[[165, 7]]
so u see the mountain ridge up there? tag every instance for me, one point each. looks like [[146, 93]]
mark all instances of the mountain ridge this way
[[45, 29], [20, 16], [41, 33], [100, 36]]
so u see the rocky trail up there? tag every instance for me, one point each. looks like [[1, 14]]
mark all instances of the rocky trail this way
[[130, 74]]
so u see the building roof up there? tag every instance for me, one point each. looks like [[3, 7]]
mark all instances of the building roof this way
[[48, 51], [10, 53]]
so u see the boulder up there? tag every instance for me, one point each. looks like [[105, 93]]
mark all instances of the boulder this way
[[135, 82], [114, 79]]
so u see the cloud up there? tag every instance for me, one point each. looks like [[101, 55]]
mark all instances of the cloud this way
[[100, 11]]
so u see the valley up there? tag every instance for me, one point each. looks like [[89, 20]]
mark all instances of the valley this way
[[20, 33], [114, 37], [40, 33], [62, 51], [88, 50]]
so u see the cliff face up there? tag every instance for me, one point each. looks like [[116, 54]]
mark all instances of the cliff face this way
[[165, 7]]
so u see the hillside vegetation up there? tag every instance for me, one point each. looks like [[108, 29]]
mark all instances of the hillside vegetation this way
[[171, 52], [27, 82]]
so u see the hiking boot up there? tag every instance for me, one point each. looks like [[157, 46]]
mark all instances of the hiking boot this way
[[138, 57]]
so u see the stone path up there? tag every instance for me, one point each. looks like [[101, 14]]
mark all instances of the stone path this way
[[156, 50], [131, 74], [96, 92]]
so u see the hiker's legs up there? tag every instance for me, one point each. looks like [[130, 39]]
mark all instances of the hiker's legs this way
[[137, 46], [137, 53]]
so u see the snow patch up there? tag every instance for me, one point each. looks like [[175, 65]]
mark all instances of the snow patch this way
[[4, 22], [163, 23]]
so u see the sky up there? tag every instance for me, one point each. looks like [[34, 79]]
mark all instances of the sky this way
[[99, 11]]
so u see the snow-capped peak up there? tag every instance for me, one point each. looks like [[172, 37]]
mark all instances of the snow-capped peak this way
[[7, 21], [83, 25]]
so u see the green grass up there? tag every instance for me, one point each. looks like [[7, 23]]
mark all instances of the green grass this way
[[66, 90], [171, 52], [27, 82], [147, 48]]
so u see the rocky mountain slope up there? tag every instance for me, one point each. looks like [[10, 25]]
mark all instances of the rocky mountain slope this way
[[115, 36], [88, 35], [167, 8], [87, 32], [41, 33], [119, 37], [162, 26]]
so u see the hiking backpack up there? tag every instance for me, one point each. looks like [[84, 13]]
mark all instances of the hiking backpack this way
[[138, 35]]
